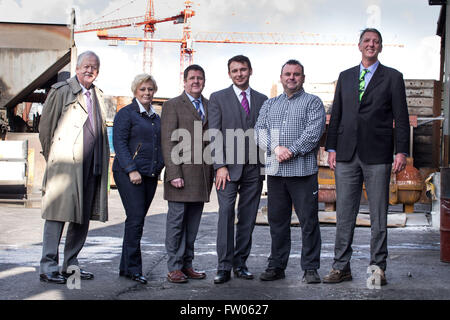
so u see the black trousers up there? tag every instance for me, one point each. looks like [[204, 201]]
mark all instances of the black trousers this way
[[303, 193], [136, 199]]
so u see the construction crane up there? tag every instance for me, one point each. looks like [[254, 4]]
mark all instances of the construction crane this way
[[148, 21], [188, 39]]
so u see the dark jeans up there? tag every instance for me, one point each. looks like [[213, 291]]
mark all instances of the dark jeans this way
[[136, 199]]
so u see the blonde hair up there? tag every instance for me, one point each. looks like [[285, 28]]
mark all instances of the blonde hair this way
[[140, 79]]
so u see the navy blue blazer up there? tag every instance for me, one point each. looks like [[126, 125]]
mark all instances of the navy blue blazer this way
[[137, 141]]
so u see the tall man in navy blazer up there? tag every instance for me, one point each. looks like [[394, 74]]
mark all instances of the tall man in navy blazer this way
[[361, 142], [232, 111]]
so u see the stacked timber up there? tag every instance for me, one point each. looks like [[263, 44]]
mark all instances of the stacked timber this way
[[424, 101]]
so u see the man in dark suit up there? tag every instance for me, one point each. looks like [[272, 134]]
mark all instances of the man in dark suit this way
[[361, 142], [188, 176], [233, 112]]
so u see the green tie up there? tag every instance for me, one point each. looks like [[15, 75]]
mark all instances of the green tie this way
[[362, 83]]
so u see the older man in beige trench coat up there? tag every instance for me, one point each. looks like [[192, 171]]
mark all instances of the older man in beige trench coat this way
[[188, 176], [74, 143]]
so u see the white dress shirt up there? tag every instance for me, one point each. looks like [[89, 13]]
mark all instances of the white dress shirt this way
[[238, 93]]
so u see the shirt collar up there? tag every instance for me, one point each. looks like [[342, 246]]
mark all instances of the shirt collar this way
[[83, 89], [295, 95], [371, 68], [239, 91], [192, 98], [142, 109]]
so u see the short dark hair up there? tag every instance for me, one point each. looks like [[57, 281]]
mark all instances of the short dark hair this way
[[195, 67], [240, 58], [294, 62], [363, 32]]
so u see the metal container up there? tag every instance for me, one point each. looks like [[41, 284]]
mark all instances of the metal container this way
[[327, 188], [445, 215], [406, 186]]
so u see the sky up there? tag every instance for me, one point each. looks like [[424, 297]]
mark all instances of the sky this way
[[411, 23]]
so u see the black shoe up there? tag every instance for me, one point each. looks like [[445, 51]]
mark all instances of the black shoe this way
[[243, 273], [53, 277], [138, 277], [222, 276], [272, 274], [311, 276], [84, 275]]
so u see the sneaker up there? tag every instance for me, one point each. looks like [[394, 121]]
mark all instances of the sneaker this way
[[311, 276], [336, 276], [272, 274]]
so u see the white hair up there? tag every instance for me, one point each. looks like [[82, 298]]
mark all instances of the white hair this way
[[87, 54]]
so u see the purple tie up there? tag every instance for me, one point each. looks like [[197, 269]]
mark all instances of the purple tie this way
[[89, 107], [244, 103]]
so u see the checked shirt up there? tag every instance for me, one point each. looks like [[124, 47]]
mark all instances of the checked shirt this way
[[296, 123]]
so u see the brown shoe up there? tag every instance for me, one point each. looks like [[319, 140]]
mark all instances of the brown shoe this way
[[177, 277], [336, 276], [192, 274], [383, 280]]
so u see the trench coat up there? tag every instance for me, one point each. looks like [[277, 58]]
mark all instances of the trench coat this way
[[188, 163], [61, 136]]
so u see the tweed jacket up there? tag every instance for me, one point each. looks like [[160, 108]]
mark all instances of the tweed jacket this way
[[183, 146]]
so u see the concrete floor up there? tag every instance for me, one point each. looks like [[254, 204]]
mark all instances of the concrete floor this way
[[414, 267]]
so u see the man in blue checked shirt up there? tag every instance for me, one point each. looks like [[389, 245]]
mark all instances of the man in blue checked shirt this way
[[289, 127]]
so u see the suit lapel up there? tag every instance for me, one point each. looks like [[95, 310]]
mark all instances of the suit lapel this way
[[354, 80], [205, 107], [190, 107], [237, 106], [253, 112], [377, 78], [82, 102]]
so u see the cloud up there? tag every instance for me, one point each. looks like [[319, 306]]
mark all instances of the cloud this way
[[419, 58], [32, 11]]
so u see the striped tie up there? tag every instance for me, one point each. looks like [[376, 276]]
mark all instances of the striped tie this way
[[362, 83], [244, 103], [197, 107]]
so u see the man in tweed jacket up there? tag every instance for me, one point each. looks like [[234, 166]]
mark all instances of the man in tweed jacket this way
[[289, 127], [188, 177]]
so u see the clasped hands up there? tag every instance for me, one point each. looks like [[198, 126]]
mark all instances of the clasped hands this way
[[177, 183], [135, 177], [282, 153]]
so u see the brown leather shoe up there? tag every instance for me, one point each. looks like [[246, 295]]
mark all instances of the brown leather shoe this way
[[177, 277], [193, 274], [336, 276], [383, 280]]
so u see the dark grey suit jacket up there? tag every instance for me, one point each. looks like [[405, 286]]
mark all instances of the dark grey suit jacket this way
[[366, 127], [226, 112]]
